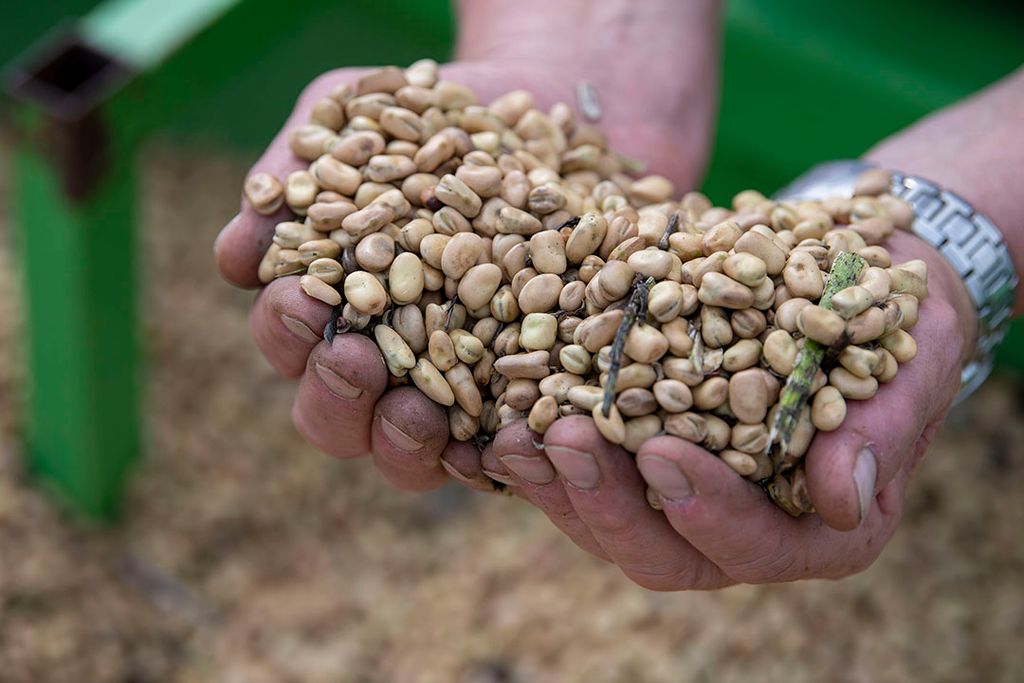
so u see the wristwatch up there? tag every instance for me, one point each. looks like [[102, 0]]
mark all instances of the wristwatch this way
[[970, 242]]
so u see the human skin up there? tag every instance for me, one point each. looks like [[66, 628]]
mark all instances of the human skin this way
[[716, 528]]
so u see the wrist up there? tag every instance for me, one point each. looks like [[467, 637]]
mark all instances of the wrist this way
[[653, 65]]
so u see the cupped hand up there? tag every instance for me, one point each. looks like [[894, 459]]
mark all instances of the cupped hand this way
[[343, 405], [716, 528]]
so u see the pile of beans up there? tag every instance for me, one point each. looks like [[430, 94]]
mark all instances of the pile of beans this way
[[493, 252]]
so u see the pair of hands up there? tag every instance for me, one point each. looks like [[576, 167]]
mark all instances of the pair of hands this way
[[716, 528]]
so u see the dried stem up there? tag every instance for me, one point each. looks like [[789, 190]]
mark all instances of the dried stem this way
[[673, 226], [636, 310], [845, 269]]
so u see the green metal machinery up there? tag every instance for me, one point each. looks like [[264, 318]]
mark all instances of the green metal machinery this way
[[803, 81]]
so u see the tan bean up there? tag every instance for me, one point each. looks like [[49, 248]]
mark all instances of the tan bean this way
[[559, 384], [397, 354], [542, 414], [357, 148], [877, 281], [634, 375], [521, 394], [645, 344], [433, 278], [571, 296], [288, 262], [903, 280], [745, 268], [310, 141], [851, 386], [821, 325], [408, 322], [802, 276], [900, 344], [335, 175], [639, 430], [743, 464], [828, 410], [651, 263], [852, 301], [690, 426], [517, 222], [749, 438], [717, 289], [887, 366], [866, 326], [715, 328], [874, 230], [467, 395], [721, 237], [665, 301], [575, 359], [320, 290], [326, 269], [460, 254], [585, 397], [742, 355], [365, 293], [291, 235], [300, 191], [483, 370], [533, 365], [368, 219], [432, 383], [673, 395], [266, 271], [780, 352], [861, 362], [687, 246], [547, 251], [384, 168], [611, 426], [719, 433], [461, 425], [375, 252], [597, 331], [441, 350], [264, 193], [678, 334], [710, 393], [326, 217], [479, 285], [635, 402], [539, 331], [763, 248], [873, 182], [540, 294], [405, 278], [748, 395]]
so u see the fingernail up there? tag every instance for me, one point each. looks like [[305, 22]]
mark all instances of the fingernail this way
[[865, 471], [578, 467], [338, 386], [398, 437], [455, 474], [534, 469], [665, 477], [497, 476], [299, 329]]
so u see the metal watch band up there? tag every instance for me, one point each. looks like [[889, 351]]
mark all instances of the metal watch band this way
[[966, 238]]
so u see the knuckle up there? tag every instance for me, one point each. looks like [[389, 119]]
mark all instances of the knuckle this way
[[667, 579]]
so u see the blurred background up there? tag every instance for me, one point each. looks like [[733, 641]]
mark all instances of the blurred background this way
[[160, 520]]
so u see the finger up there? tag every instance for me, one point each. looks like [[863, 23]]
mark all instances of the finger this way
[[462, 462], [733, 523], [609, 495], [287, 324], [243, 241], [880, 437], [409, 433], [529, 468], [334, 405]]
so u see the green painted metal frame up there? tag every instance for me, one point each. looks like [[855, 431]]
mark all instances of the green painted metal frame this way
[[79, 253]]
